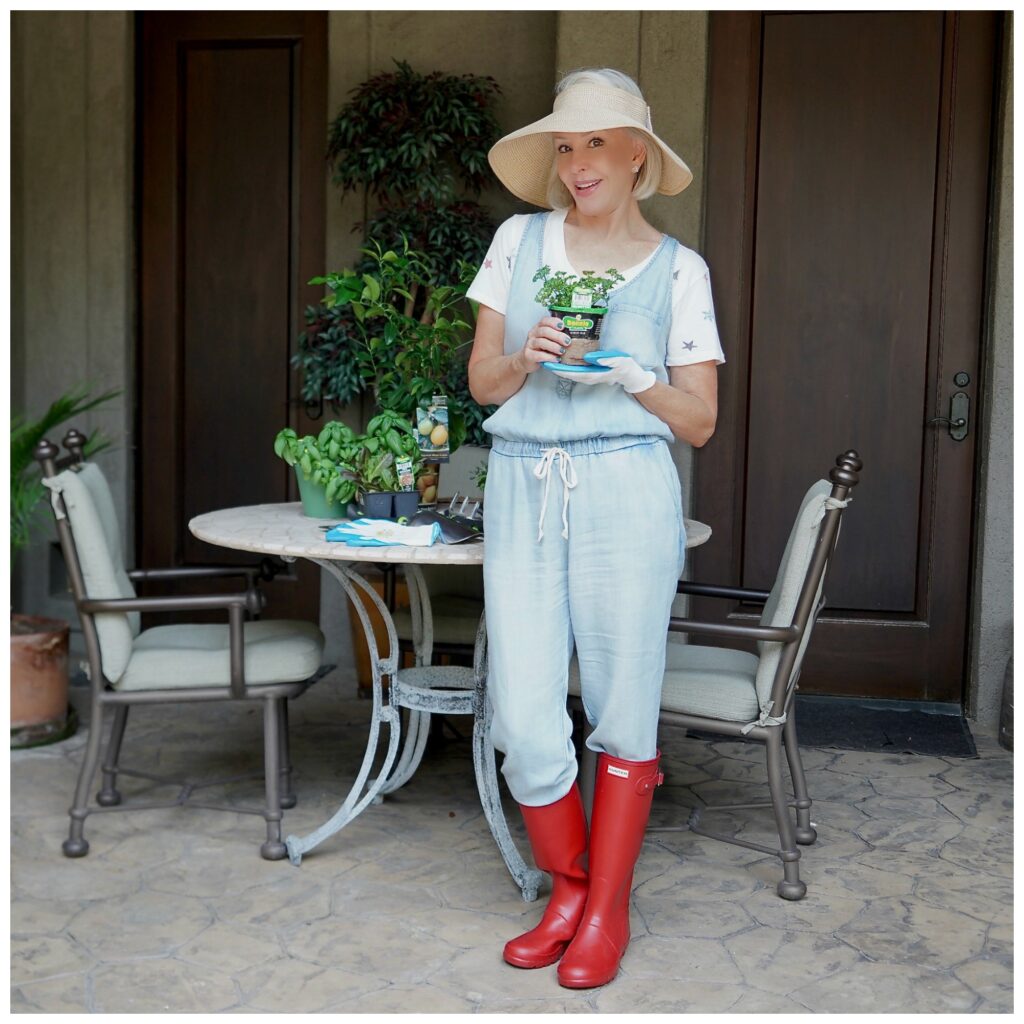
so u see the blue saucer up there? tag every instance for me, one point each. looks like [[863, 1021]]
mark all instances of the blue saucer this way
[[571, 368]]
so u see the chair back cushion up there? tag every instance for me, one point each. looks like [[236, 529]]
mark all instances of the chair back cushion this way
[[780, 607], [98, 544]]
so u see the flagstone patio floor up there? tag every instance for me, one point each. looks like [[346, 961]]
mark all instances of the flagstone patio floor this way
[[909, 903]]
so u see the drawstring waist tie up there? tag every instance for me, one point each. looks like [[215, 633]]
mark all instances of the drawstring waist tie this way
[[542, 471]]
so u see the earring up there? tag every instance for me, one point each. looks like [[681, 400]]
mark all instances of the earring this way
[[636, 170]]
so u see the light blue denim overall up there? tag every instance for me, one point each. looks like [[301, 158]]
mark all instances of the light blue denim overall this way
[[598, 564]]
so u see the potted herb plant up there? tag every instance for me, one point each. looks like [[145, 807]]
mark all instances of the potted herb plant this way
[[580, 301], [389, 457], [40, 712], [322, 467]]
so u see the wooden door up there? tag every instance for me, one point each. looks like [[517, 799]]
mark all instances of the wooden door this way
[[232, 129], [849, 172]]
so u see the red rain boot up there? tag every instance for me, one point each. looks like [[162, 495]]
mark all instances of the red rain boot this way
[[622, 803], [558, 837]]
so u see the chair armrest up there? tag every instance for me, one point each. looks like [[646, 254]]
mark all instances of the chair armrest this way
[[236, 605], [714, 590], [781, 634], [265, 571], [251, 601]]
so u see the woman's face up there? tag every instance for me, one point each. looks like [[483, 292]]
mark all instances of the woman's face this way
[[607, 158]]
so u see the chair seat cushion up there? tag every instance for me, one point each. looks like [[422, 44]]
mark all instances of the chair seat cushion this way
[[713, 682], [186, 656], [455, 618]]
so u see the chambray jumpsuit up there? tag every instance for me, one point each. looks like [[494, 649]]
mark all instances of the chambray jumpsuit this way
[[598, 565]]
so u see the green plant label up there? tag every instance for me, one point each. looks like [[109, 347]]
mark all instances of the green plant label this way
[[577, 323]]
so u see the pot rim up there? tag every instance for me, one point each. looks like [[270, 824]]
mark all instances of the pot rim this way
[[43, 624]]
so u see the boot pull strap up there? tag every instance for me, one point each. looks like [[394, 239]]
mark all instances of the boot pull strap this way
[[648, 782]]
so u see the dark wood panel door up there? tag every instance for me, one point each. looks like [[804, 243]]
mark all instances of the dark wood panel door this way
[[849, 177], [232, 120]]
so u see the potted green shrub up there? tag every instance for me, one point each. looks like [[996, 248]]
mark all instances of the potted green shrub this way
[[415, 143], [580, 301], [40, 712]]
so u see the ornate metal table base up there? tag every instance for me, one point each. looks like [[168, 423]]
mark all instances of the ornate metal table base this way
[[425, 689]]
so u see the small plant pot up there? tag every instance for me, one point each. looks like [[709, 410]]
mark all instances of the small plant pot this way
[[314, 500], [584, 328], [377, 504], [406, 503]]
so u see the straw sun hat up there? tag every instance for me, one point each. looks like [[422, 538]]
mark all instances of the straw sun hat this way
[[522, 160]]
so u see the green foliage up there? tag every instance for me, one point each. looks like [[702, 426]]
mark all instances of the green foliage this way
[[444, 235], [412, 333], [26, 489], [405, 135], [345, 463], [326, 356], [412, 141], [557, 289], [480, 475]]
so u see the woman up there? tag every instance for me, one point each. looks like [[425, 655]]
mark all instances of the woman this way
[[606, 581]]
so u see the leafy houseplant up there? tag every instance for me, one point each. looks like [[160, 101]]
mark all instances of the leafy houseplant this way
[[581, 302], [40, 712], [412, 141], [405, 357]]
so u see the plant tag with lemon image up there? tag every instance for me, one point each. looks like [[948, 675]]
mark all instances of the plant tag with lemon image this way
[[432, 429]]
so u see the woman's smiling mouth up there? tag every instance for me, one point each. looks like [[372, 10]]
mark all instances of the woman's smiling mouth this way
[[584, 188]]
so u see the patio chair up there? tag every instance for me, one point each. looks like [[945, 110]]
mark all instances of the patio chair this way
[[268, 660], [736, 693]]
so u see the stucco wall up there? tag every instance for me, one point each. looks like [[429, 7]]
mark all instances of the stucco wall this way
[[72, 244], [992, 605]]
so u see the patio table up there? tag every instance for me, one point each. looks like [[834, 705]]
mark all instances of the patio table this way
[[285, 531]]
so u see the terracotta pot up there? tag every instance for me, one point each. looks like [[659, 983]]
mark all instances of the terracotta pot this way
[[39, 681]]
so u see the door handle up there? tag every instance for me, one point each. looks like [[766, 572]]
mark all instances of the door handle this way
[[959, 414]]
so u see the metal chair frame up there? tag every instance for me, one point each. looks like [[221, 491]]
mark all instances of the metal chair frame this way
[[277, 763], [780, 732]]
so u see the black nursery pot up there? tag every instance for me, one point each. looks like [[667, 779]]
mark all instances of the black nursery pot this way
[[584, 329], [407, 503], [378, 504]]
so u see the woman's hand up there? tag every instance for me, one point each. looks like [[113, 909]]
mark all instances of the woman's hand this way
[[545, 341]]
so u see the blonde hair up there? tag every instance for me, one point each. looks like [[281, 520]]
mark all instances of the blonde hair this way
[[646, 184]]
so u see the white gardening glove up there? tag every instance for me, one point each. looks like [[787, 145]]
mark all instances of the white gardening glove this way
[[624, 370]]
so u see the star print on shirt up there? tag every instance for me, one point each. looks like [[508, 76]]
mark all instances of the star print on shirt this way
[[675, 275], [688, 345], [487, 264], [708, 315], [508, 260]]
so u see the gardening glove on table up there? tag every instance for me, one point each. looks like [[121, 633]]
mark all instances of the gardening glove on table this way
[[362, 533], [623, 369]]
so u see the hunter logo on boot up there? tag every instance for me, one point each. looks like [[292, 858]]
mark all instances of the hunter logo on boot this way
[[623, 773]]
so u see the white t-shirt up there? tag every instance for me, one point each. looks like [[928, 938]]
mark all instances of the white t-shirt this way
[[693, 337]]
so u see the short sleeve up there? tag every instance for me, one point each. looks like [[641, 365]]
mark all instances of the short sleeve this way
[[693, 337], [494, 278]]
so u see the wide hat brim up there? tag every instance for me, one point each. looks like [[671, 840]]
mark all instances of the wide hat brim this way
[[522, 159]]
